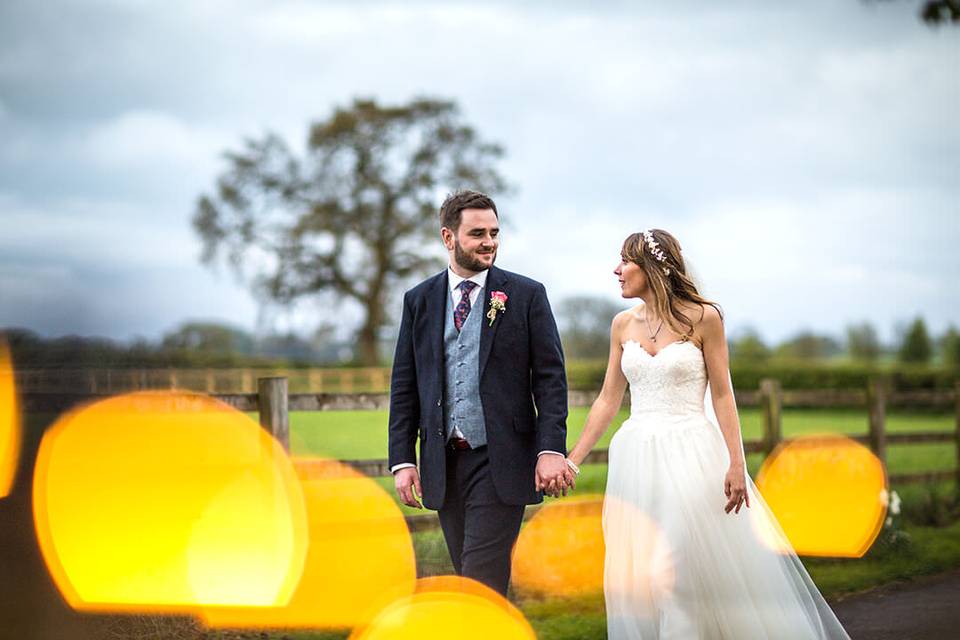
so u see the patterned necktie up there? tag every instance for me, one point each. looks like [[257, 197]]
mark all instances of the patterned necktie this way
[[462, 310]]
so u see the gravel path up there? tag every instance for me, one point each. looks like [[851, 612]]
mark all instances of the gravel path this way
[[923, 609]]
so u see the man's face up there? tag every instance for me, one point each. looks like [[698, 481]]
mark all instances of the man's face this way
[[473, 247]]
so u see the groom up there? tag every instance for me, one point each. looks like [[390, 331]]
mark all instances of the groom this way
[[479, 377]]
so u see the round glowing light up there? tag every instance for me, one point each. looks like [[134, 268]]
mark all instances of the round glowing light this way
[[827, 493], [560, 550], [442, 610], [9, 423], [360, 555], [167, 501]]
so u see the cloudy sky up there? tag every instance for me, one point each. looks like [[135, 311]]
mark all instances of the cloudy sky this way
[[806, 155]]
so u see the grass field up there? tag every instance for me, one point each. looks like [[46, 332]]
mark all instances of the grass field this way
[[363, 434]]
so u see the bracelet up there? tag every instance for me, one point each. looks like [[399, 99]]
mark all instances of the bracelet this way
[[573, 466]]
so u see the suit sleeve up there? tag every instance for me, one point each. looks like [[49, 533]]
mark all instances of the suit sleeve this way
[[548, 375], [404, 421]]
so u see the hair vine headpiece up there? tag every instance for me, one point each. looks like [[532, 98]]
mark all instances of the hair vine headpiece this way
[[654, 247]]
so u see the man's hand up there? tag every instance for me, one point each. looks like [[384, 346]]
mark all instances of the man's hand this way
[[553, 476], [407, 481]]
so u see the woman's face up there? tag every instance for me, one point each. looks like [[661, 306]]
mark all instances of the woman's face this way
[[633, 279]]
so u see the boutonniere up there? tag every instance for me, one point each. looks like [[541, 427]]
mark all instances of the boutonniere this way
[[498, 302]]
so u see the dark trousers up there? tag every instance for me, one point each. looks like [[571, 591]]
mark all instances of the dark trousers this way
[[480, 531]]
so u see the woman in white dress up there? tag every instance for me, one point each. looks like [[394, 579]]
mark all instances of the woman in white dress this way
[[681, 517]]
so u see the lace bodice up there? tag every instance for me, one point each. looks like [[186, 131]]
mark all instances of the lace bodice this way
[[671, 383]]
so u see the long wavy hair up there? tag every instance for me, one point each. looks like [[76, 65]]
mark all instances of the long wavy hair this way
[[669, 280]]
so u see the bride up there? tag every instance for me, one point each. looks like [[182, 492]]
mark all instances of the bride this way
[[682, 562]]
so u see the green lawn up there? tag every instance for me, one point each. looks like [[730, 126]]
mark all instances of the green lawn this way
[[363, 434], [932, 550]]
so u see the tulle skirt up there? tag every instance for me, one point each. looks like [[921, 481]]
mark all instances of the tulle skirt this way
[[678, 566]]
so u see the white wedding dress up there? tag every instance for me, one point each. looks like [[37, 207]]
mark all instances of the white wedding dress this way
[[678, 566]]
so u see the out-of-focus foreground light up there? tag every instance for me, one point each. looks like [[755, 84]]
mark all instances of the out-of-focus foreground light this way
[[448, 607], [9, 422], [827, 494], [360, 555], [167, 501], [560, 549]]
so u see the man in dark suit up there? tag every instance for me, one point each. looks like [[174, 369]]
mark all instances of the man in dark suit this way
[[479, 378]]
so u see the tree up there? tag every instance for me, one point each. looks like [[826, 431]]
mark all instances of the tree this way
[[862, 342], [348, 218], [748, 346], [585, 325], [807, 345], [916, 347], [937, 12], [209, 337], [950, 347]]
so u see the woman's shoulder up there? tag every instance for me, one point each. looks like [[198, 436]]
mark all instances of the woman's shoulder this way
[[622, 319]]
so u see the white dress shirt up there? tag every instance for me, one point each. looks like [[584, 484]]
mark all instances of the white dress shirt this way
[[453, 280]]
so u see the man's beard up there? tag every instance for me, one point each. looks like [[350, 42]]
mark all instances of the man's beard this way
[[468, 261]]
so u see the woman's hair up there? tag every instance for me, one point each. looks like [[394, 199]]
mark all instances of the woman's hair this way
[[658, 253]]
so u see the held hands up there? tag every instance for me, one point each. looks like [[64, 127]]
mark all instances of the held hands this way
[[553, 476], [407, 481], [735, 488]]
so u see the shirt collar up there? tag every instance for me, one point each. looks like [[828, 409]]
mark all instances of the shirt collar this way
[[454, 280]]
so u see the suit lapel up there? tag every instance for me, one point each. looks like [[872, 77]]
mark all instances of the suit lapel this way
[[496, 281], [436, 311]]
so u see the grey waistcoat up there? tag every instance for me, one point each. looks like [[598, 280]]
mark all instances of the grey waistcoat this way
[[461, 357]]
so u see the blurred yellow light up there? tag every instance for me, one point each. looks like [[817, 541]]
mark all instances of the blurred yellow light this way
[[167, 501], [560, 550], [826, 492], [9, 423], [359, 560], [643, 572], [448, 609]]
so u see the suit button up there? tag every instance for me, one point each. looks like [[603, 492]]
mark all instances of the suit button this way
[[438, 403], [439, 432]]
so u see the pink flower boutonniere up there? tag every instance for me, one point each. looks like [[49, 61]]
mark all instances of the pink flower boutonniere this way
[[498, 302]]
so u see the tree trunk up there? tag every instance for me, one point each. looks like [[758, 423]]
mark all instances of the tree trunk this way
[[367, 341], [367, 345]]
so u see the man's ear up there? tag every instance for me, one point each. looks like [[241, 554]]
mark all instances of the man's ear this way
[[447, 235]]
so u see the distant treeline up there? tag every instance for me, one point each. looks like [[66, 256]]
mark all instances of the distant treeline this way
[[191, 345], [585, 329]]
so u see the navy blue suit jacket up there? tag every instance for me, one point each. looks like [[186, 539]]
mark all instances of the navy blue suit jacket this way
[[523, 385]]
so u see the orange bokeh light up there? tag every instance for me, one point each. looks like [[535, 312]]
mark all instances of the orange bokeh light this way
[[166, 502], [360, 555], [826, 492], [9, 423], [448, 607], [560, 550]]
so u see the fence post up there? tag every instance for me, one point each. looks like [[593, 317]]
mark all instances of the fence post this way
[[877, 410], [274, 416], [956, 399], [771, 401]]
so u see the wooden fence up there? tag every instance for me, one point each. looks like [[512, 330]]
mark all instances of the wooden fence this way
[[206, 380], [274, 402]]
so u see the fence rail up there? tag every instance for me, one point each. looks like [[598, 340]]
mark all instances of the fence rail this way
[[273, 402]]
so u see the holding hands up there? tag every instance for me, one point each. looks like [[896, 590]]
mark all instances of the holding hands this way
[[553, 476]]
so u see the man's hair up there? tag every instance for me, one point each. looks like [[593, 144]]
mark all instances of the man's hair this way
[[452, 208]]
